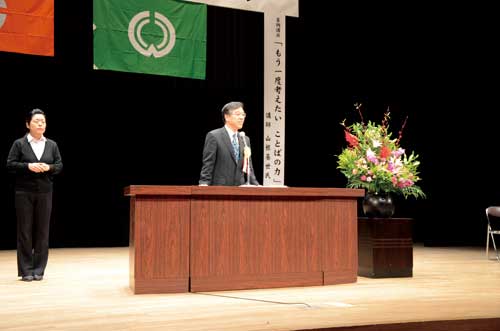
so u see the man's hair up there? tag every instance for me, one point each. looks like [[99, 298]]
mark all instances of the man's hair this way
[[229, 107], [32, 113]]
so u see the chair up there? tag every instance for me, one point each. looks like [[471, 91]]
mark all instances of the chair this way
[[493, 217]]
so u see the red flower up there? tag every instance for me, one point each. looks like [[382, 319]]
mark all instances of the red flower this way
[[385, 152], [351, 139]]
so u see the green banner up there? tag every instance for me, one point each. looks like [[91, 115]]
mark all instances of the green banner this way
[[161, 37]]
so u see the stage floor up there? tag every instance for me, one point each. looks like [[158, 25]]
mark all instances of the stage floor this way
[[88, 289]]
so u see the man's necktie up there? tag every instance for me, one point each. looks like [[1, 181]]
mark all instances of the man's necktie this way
[[236, 147]]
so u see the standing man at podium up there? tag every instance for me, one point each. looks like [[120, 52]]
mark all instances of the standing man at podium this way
[[226, 154]]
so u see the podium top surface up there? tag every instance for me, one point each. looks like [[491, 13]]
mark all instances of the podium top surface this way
[[144, 190]]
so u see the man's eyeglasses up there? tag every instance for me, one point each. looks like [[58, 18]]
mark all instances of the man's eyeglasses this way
[[239, 114]]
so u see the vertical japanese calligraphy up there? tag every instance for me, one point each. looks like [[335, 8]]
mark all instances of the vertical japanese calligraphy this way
[[274, 117]]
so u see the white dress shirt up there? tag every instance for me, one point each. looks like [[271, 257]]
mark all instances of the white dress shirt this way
[[38, 145]]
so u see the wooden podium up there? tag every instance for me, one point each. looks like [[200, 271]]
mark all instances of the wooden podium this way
[[385, 247], [210, 238]]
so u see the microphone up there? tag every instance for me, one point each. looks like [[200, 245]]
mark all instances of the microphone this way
[[246, 157], [242, 135], [246, 151]]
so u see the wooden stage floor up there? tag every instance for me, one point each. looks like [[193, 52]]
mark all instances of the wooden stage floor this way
[[87, 289]]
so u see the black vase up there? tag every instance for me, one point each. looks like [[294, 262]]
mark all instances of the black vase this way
[[378, 205]]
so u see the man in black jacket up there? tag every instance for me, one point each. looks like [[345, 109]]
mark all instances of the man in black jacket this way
[[226, 154]]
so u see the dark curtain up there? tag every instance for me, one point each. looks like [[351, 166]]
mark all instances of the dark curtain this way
[[116, 129]]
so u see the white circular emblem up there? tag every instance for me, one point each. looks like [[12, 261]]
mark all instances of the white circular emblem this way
[[2, 16], [135, 29]]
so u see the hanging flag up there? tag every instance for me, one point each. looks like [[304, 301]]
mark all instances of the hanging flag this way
[[163, 37], [27, 26]]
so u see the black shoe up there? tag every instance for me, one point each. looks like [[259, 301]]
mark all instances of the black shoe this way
[[27, 278], [38, 277]]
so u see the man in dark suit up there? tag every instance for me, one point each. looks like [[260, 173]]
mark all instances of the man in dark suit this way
[[34, 160], [226, 154]]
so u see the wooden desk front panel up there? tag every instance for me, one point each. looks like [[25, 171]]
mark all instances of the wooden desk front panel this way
[[161, 244], [340, 242], [258, 242]]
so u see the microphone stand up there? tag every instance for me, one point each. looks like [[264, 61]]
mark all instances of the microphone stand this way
[[246, 156], [248, 168]]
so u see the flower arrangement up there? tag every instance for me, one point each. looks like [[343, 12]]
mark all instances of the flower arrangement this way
[[376, 162]]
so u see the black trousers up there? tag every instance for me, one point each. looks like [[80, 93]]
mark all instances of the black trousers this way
[[33, 220]]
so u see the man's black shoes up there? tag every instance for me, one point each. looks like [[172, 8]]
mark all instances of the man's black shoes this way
[[38, 277]]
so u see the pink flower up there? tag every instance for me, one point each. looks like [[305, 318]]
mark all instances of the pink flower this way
[[398, 152], [370, 156], [394, 180]]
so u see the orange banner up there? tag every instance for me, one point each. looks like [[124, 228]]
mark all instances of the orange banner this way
[[27, 26]]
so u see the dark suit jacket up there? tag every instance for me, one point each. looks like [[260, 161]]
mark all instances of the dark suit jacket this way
[[21, 154], [219, 164]]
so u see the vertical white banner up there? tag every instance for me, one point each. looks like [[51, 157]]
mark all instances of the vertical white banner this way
[[274, 99]]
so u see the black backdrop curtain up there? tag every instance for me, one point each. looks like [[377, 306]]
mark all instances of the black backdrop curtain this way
[[116, 129]]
